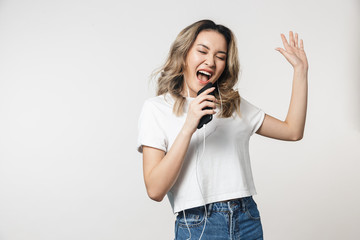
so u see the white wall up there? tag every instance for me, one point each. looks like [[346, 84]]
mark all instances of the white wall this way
[[74, 75]]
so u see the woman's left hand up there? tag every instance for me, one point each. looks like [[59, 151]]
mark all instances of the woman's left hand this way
[[294, 52]]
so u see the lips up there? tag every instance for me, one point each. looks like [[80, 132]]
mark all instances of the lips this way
[[204, 75]]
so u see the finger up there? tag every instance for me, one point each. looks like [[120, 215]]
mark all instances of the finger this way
[[282, 51], [296, 40], [208, 112], [204, 95], [283, 38], [301, 44], [207, 91], [291, 38], [208, 97], [207, 104]]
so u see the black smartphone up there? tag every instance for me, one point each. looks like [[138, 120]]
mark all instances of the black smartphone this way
[[206, 118]]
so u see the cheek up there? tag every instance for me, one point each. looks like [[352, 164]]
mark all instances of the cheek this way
[[221, 69], [195, 60], [189, 64]]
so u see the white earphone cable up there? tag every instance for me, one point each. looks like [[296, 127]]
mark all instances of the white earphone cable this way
[[199, 184], [196, 166], [197, 179]]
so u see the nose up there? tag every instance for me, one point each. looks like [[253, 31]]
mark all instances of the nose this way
[[210, 61]]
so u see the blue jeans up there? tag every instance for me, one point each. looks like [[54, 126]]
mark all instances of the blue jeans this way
[[230, 220]]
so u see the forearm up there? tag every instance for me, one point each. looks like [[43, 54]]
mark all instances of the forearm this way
[[163, 176], [298, 104]]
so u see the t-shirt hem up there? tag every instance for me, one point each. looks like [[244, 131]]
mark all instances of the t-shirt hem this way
[[212, 199]]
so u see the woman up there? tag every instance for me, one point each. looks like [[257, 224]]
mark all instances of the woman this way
[[206, 172]]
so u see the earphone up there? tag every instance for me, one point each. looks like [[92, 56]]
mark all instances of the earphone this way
[[196, 170]]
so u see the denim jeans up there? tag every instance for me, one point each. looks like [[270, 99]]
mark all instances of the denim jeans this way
[[230, 220]]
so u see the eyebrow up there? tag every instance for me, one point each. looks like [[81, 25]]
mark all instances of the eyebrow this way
[[209, 48]]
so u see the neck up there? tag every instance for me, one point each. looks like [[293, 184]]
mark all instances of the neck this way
[[186, 94]]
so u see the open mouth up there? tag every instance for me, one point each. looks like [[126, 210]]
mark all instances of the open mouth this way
[[203, 76]]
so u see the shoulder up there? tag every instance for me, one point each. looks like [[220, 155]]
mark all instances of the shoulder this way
[[250, 111], [246, 106]]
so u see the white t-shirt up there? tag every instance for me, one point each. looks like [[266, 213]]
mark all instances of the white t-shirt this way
[[224, 170]]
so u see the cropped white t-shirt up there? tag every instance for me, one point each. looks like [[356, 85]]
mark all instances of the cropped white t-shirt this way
[[223, 171]]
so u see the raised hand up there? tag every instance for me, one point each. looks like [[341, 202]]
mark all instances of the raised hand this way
[[294, 52]]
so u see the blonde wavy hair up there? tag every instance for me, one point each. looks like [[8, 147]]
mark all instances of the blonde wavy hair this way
[[171, 79]]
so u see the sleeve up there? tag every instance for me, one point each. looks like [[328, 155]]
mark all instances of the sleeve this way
[[254, 115], [150, 131]]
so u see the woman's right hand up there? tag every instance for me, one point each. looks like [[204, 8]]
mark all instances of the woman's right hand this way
[[195, 111]]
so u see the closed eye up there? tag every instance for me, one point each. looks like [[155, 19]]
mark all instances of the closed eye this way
[[221, 58], [202, 52]]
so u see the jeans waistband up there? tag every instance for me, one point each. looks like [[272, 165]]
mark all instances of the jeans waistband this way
[[222, 206], [228, 205]]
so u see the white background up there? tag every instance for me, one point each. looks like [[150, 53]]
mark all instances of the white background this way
[[74, 75]]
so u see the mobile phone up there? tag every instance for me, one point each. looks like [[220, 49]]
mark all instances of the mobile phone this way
[[206, 118]]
